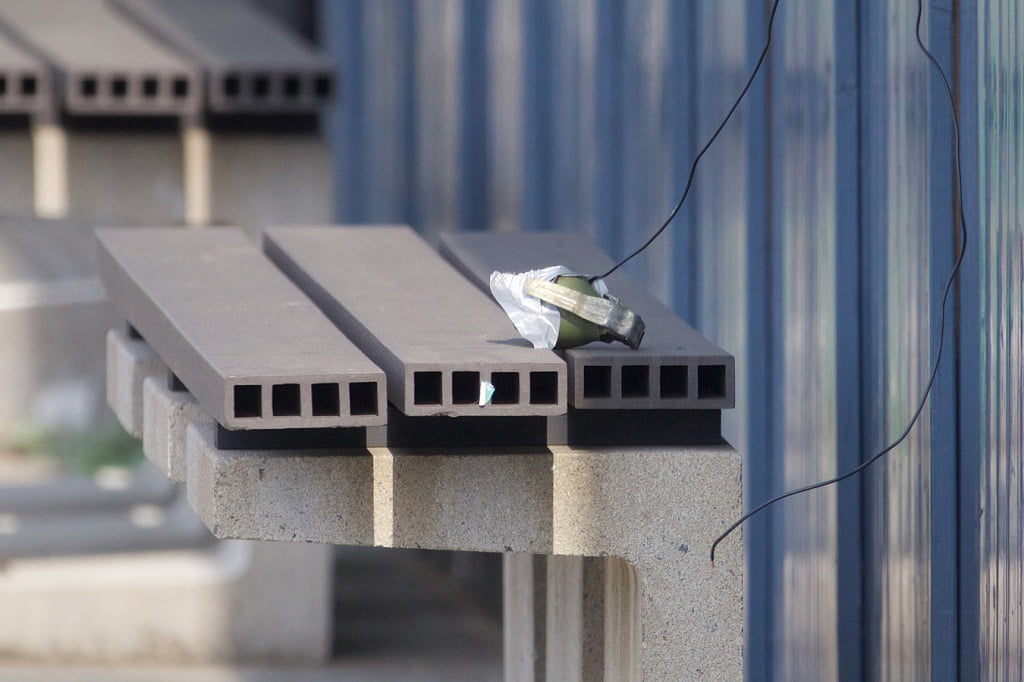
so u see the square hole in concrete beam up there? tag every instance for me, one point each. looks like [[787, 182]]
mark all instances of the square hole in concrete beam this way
[[260, 86], [506, 388], [88, 86], [597, 381], [322, 86], [711, 381], [231, 85], [636, 381], [119, 87], [543, 388], [326, 399], [248, 401], [426, 388], [285, 400], [179, 88], [465, 388], [150, 86], [3, 85], [29, 85], [673, 381], [292, 85], [362, 398], [174, 383]]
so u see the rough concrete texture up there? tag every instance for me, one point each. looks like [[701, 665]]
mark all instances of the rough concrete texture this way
[[107, 64], [435, 335], [129, 362], [271, 495], [660, 511], [675, 366], [227, 603], [495, 502], [252, 64], [166, 414], [249, 345]]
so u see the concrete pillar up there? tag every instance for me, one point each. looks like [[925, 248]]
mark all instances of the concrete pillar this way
[[524, 618], [16, 169], [50, 170]]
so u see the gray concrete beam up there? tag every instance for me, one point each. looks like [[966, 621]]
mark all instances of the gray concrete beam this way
[[252, 349], [25, 86], [104, 64], [675, 366], [251, 63], [436, 336]]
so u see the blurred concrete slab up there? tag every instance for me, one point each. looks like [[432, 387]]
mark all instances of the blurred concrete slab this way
[[54, 318], [226, 603]]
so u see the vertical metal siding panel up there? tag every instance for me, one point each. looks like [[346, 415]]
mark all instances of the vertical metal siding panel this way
[[897, 224], [1001, 272], [505, 166], [647, 128], [473, 117], [682, 93], [343, 22], [942, 492], [804, 220], [385, 80], [574, 142], [759, 453], [538, 93], [371, 128], [848, 350], [439, 34], [718, 206], [969, 345], [608, 105]]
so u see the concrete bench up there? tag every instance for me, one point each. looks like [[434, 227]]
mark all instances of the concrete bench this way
[[607, 573]]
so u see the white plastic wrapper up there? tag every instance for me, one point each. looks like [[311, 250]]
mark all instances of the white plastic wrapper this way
[[536, 321]]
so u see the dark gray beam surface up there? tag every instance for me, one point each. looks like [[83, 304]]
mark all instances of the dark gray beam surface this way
[[435, 334], [104, 64], [251, 63], [252, 349], [675, 366], [25, 86]]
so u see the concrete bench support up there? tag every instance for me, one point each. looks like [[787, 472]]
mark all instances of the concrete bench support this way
[[648, 515]]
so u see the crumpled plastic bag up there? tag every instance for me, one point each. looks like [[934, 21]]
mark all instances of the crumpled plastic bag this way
[[535, 320]]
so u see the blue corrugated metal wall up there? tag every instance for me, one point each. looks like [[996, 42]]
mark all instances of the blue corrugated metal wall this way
[[814, 247]]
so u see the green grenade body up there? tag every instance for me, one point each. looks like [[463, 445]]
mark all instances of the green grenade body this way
[[573, 330]]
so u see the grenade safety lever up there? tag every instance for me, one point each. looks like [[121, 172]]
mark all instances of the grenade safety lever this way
[[605, 318]]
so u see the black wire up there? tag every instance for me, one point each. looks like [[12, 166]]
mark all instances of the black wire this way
[[942, 316], [703, 150]]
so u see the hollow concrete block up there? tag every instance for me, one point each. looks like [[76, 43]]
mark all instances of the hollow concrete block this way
[[166, 414], [129, 362]]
